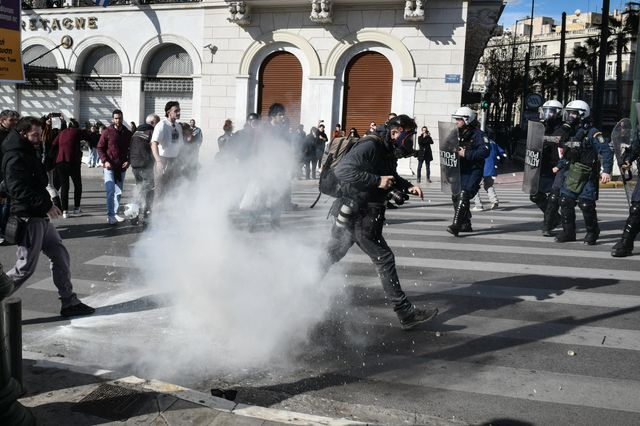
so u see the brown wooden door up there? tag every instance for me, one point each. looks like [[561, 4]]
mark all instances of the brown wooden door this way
[[280, 80], [367, 94]]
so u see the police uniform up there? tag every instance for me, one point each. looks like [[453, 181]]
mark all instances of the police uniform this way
[[476, 146], [581, 150], [548, 196], [624, 247]]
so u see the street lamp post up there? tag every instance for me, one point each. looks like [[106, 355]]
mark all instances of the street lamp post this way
[[512, 73]]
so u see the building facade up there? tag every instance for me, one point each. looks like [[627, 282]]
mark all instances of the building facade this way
[[342, 61]]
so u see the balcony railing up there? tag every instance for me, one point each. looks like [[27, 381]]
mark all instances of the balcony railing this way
[[50, 4]]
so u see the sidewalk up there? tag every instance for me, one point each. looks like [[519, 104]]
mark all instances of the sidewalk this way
[[62, 394]]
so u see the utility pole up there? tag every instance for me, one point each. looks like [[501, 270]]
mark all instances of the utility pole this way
[[602, 62], [527, 63], [561, 77]]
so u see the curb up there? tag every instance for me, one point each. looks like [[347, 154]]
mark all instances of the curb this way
[[195, 397]]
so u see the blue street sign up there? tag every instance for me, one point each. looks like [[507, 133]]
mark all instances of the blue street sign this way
[[452, 78]]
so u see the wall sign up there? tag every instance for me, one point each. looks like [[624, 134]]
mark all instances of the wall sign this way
[[56, 24], [11, 69], [452, 78]]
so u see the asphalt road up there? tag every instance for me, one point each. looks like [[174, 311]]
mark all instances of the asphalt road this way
[[529, 330]]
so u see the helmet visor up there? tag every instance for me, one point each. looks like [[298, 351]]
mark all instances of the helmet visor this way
[[549, 113], [572, 116]]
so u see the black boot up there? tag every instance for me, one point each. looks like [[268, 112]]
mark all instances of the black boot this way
[[624, 247], [568, 212], [551, 216], [461, 216], [540, 200], [590, 221]]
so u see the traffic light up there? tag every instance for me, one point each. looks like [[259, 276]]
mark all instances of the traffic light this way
[[486, 101]]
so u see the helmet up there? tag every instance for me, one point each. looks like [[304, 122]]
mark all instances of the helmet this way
[[404, 121], [466, 114], [551, 109], [575, 111], [253, 116]]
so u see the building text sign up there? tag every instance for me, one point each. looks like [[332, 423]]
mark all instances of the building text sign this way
[[57, 24], [11, 69], [452, 78]]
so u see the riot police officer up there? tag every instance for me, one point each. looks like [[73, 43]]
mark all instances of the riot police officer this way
[[548, 196], [366, 174], [473, 148], [624, 247], [582, 173]]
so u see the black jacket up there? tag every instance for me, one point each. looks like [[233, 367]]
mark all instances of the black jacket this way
[[360, 170], [25, 178], [550, 154], [424, 147], [140, 152]]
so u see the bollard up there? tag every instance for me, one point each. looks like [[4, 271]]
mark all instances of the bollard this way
[[13, 321], [11, 411]]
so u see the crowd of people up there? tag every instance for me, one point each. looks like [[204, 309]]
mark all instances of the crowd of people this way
[[38, 161]]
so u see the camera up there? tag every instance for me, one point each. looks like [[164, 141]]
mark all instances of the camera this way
[[345, 214], [397, 196]]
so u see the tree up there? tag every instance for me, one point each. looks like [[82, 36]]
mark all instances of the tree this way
[[623, 32], [546, 75]]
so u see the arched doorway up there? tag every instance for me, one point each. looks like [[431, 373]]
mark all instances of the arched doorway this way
[[39, 95], [368, 86], [280, 80], [169, 77], [100, 86]]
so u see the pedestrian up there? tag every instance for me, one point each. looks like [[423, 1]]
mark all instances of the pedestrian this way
[[68, 162], [624, 247], [372, 129], [496, 153], [321, 143], [49, 155], [223, 139], [581, 160], [26, 182], [473, 148], [142, 163], [425, 156], [353, 133], [337, 131], [166, 143], [366, 174], [309, 159], [188, 156], [93, 139], [113, 148], [8, 121], [547, 197], [196, 133]]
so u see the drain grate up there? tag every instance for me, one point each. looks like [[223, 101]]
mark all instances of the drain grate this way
[[113, 402]]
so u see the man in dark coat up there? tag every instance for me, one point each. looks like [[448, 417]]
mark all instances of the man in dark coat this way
[[26, 182]]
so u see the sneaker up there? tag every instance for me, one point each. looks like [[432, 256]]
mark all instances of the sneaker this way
[[418, 317], [76, 310], [494, 205], [77, 211], [65, 214], [119, 218], [477, 208], [112, 220]]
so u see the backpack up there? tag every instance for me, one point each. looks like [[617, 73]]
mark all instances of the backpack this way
[[329, 184]]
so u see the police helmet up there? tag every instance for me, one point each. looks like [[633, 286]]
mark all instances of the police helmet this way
[[551, 109], [404, 121], [576, 111], [466, 114]]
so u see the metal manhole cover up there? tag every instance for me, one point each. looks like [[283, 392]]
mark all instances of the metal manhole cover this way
[[113, 402]]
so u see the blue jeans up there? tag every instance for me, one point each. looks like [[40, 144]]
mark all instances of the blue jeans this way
[[114, 191], [93, 157]]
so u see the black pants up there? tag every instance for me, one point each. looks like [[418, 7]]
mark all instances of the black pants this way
[[366, 231], [66, 171]]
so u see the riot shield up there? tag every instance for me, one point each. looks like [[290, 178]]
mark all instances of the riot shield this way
[[621, 137], [449, 161], [533, 157]]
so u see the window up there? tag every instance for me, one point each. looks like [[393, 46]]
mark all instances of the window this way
[[611, 69]]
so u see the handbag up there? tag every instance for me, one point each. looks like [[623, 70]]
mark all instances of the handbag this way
[[15, 230], [577, 177]]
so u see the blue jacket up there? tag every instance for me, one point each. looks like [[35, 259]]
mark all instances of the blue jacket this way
[[496, 153]]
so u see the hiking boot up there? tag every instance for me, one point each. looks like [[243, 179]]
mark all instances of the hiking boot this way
[[76, 310], [565, 237], [418, 317], [591, 237], [453, 230]]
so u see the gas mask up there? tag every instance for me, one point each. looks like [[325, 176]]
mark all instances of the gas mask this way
[[403, 145]]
